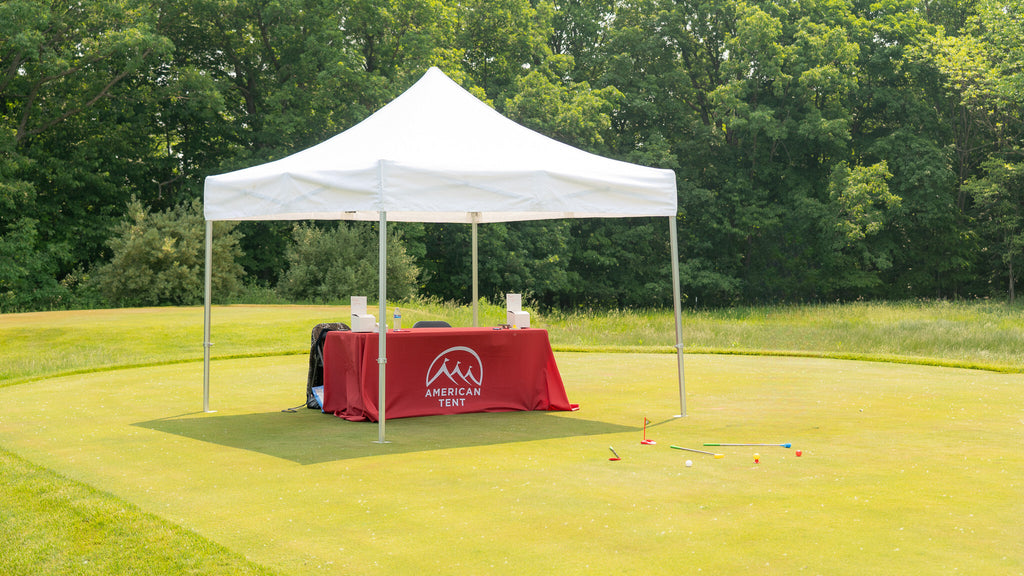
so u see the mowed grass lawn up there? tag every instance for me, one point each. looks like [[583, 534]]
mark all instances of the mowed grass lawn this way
[[910, 465]]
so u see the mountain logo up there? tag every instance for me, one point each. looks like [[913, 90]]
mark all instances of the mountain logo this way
[[458, 371]]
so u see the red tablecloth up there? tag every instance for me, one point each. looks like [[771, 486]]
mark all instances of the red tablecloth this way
[[442, 371]]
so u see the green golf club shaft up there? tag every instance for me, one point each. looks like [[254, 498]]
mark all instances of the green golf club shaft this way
[[694, 450], [717, 444]]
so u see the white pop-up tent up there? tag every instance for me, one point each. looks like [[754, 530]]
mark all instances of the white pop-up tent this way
[[436, 153]]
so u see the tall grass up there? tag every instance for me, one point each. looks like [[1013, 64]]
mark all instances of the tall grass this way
[[986, 335]]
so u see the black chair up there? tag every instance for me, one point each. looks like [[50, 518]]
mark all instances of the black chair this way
[[315, 377], [431, 324]]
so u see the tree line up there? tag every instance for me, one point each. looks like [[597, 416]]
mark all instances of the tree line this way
[[824, 149]]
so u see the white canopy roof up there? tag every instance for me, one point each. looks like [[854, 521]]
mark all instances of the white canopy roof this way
[[438, 154]]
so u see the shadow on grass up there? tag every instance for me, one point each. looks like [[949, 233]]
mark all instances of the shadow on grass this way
[[310, 437]]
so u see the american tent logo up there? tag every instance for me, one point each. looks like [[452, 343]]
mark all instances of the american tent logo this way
[[454, 375]]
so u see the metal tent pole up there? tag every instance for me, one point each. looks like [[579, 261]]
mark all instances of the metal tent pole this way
[[382, 356], [208, 274], [476, 283], [677, 298]]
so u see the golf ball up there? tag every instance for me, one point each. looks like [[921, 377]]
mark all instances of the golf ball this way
[[689, 463]]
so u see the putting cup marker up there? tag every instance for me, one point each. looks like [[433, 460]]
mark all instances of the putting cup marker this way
[[645, 440]]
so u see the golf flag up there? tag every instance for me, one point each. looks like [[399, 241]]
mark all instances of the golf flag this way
[[646, 440]]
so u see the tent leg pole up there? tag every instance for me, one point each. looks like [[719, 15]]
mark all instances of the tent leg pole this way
[[207, 291], [476, 283], [677, 299], [382, 355]]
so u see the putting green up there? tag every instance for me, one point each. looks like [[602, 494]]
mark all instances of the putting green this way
[[905, 469]]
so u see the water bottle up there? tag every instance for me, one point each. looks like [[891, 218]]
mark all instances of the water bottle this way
[[398, 319]]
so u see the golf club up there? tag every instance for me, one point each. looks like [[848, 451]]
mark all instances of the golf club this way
[[699, 451], [787, 445], [617, 457]]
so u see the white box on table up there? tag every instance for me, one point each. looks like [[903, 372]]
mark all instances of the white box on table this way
[[514, 302], [358, 305], [364, 323], [518, 319]]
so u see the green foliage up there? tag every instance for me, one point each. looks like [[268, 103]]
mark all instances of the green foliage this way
[[264, 244], [620, 264], [59, 61], [1000, 201], [574, 114], [28, 264], [159, 258], [27, 269], [760, 108], [863, 200], [531, 258], [501, 38], [334, 263], [861, 207], [78, 136]]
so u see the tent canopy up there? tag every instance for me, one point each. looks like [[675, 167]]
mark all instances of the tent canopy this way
[[439, 154]]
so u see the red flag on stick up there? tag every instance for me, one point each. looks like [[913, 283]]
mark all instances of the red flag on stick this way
[[645, 440]]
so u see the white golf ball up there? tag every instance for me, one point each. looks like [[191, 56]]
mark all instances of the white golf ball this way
[[689, 463]]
